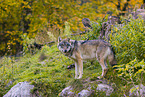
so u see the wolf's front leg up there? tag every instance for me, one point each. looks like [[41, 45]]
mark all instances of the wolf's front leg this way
[[76, 70], [80, 63]]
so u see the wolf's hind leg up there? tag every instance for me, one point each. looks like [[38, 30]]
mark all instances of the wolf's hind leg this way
[[104, 68], [101, 57]]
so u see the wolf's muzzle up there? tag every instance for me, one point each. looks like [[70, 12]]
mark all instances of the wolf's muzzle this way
[[65, 51]]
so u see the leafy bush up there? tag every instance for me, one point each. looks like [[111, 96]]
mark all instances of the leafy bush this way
[[95, 32], [129, 41], [132, 71], [129, 45]]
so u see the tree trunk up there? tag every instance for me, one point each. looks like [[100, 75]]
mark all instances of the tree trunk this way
[[124, 7]]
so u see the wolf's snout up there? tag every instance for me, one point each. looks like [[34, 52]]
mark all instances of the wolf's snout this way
[[65, 51]]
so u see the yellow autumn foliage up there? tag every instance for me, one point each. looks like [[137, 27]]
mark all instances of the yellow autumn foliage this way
[[37, 16]]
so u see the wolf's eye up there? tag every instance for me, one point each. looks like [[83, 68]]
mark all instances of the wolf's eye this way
[[61, 45]]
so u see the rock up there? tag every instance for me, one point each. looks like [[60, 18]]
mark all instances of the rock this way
[[136, 90], [104, 87], [67, 92], [85, 93], [137, 13], [22, 89], [88, 89]]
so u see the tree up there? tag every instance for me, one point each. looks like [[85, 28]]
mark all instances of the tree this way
[[118, 7], [38, 17]]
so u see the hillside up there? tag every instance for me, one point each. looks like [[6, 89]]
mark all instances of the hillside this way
[[47, 68]]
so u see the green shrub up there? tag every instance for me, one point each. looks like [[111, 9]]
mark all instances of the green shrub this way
[[129, 41], [95, 32], [132, 71]]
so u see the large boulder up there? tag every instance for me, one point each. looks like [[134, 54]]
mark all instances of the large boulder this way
[[22, 89], [67, 92], [85, 93], [106, 88], [88, 92], [139, 12], [137, 91]]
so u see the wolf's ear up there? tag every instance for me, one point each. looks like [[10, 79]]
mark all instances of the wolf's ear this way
[[59, 39], [74, 43]]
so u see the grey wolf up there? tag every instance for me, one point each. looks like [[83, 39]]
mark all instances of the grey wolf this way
[[87, 50]]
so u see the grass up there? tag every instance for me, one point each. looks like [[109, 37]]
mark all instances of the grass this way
[[47, 71], [47, 66], [49, 75]]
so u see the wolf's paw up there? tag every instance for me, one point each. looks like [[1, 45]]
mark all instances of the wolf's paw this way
[[99, 77], [79, 77], [76, 76]]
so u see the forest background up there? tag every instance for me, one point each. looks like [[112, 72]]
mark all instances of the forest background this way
[[38, 18]]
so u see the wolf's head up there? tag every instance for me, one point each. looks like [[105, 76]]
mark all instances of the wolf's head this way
[[65, 45]]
